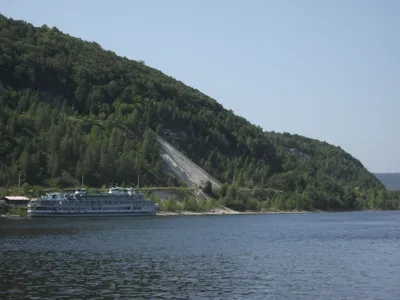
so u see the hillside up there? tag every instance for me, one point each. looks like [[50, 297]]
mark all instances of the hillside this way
[[390, 180], [320, 162], [71, 109]]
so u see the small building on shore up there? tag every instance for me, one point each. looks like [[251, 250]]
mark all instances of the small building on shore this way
[[16, 200]]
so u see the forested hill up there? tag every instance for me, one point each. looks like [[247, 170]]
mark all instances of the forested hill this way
[[390, 180], [70, 108]]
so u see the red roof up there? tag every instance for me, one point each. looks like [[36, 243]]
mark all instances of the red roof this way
[[16, 198]]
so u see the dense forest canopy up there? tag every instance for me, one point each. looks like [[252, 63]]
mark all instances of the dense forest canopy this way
[[70, 109]]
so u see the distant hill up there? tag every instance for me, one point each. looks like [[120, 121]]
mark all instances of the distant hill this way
[[70, 109], [390, 180]]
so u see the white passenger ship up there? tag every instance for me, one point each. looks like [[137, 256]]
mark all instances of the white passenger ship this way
[[117, 202]]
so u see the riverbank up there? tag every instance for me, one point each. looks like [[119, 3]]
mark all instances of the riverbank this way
[[216, 212], [222, 211], [13, 217], [227, 211]]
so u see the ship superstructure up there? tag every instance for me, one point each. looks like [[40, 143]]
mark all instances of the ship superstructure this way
[[117, 202]]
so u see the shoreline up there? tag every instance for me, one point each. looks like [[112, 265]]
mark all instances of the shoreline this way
[[213, 212], [225, 211]]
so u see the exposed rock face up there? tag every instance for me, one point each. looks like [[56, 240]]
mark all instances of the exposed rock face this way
[[184, 168]]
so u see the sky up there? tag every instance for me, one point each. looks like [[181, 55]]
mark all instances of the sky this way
[[325, 69]]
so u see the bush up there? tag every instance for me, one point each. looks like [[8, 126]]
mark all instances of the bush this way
[[20, 211], [191, 204], [4, 208], [171, 205]]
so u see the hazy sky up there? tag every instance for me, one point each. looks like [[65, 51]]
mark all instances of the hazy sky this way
[[324, 69]]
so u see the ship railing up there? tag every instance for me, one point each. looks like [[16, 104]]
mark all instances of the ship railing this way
[[65, 199]]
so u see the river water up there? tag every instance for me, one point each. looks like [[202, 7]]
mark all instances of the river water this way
[[287, 256]]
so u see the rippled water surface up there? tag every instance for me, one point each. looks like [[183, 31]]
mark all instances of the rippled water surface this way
[[289, 256]]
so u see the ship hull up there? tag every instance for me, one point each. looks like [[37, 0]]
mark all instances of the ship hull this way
[[43, 214]]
